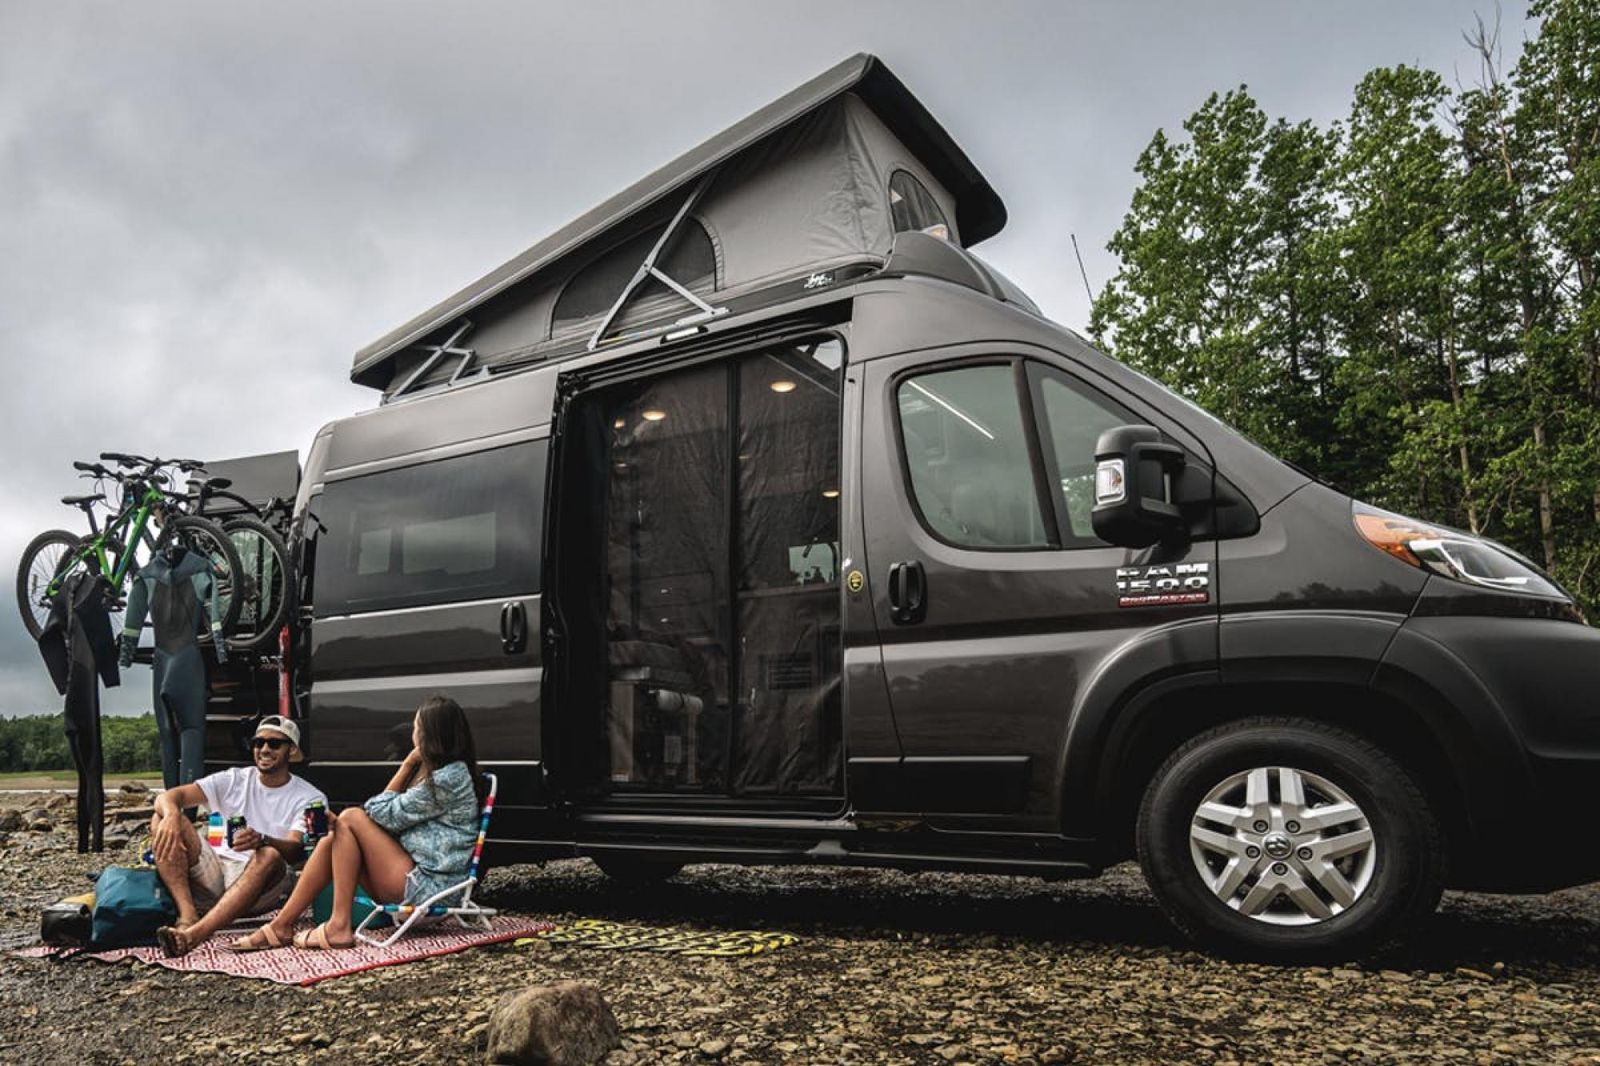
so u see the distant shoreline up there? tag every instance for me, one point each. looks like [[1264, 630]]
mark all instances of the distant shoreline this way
[[67, 780]]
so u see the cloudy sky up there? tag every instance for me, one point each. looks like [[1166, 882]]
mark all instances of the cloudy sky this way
[[206, 208]]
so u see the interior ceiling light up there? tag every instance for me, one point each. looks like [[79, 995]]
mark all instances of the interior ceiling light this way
[[619, 423], [783, 385], [655, 414], [831, 494]]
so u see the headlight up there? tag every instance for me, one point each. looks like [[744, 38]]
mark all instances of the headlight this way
[[1452, 554]]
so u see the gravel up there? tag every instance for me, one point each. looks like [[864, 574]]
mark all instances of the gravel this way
[[891, 968]]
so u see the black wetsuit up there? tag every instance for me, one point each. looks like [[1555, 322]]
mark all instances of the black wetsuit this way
[[80, 652], [178, 592]]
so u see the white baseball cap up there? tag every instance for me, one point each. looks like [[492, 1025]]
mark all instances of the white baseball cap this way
[[278, 724]]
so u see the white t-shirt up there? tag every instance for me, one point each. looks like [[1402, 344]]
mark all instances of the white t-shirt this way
[[274, 812]]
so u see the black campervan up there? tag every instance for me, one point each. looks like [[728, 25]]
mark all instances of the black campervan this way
[[753, 518]]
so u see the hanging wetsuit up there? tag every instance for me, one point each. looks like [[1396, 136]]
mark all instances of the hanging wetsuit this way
[[81, 653], [178, 590]]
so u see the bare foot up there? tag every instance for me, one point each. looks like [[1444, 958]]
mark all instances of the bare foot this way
[[174, 941]]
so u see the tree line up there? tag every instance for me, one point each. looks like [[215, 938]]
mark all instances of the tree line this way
[[1404, 302], [39, 742]]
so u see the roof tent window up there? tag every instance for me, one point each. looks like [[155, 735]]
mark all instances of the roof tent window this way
[[690, 260], [914, 208]]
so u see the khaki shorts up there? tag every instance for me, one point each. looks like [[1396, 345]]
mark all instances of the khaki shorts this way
[[212, 875]]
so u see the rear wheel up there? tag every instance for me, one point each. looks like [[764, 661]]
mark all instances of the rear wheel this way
[[47, 559], [264, 582], [1286, 839]]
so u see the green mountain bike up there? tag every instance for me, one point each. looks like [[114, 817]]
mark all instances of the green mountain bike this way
[[127, 540]]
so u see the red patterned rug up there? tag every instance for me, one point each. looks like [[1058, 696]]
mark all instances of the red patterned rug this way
[[291, 966]]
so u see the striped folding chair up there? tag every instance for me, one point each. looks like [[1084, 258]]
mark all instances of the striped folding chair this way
[[470, 915]]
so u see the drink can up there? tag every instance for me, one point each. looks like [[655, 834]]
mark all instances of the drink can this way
[[316, 816], [235, 824]]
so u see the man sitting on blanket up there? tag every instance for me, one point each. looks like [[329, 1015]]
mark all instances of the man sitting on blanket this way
[[212, 886]]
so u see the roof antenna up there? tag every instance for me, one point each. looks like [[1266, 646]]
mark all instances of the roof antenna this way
[[1084, 273]]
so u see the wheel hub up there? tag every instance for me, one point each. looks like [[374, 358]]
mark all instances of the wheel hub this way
[[1283, 846]]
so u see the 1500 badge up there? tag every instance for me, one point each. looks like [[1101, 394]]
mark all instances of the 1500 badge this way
[[1163, 585]]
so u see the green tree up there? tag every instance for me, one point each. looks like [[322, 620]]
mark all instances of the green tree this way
[[1220, 293], [1407, 302]]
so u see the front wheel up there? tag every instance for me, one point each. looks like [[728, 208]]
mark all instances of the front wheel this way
[[207, 538], [1288, 839], [46, 561]]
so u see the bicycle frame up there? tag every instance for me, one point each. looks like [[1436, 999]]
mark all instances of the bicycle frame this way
[[134, 521]]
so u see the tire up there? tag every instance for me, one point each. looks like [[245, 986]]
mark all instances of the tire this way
[[208, 538], [47, 558], [1274, 896], [632, 870], [263, 562]]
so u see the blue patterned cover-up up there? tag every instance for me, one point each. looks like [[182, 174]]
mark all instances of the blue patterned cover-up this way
[[437, 823]]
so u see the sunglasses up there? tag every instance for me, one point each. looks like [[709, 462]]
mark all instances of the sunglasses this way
[[270, 743]]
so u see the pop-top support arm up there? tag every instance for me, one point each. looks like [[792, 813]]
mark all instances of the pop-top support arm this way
[[648, 269]]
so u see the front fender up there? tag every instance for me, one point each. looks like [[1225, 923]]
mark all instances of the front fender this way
[[1165, 672]]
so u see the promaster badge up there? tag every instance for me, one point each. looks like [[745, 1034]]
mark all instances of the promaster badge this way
[[855, 581], [1163, 585]]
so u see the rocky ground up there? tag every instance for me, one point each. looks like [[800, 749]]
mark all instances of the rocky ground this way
[[891, 968]]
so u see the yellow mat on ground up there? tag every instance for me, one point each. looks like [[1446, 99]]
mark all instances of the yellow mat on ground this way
[[620, 936]]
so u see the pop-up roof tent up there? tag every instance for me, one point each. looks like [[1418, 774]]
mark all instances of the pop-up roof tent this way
[[809, 190]]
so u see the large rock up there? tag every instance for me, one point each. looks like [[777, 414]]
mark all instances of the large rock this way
[[12, 821], [564, 1024]]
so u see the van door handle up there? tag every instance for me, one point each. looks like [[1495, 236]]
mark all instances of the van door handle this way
[[513, 628], [908, 593]]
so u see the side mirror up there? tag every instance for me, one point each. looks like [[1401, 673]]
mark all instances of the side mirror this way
[[1133, 478]]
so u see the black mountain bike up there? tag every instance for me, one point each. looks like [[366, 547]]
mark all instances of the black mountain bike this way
[[263, 559]]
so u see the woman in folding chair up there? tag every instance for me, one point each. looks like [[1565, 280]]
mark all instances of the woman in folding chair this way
[[405, 846]]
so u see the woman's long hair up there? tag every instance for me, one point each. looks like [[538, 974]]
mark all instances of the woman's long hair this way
[[447, 738]]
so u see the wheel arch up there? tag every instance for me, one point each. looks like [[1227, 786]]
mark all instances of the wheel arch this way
[[1143, 740], [1437, 721]]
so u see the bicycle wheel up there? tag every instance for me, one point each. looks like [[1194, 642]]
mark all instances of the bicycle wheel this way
[[47, 559], [264, 582], [206, 537]]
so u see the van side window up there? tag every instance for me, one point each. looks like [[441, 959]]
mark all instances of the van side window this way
[[1074, 417], [966, 450], [463, 528]]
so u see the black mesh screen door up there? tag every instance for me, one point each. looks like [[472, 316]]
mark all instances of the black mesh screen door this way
[[716, 595]]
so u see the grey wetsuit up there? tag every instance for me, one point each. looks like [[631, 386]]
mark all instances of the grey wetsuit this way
[[178, 593]]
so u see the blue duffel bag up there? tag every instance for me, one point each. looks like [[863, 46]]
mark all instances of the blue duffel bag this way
[[129, 906]]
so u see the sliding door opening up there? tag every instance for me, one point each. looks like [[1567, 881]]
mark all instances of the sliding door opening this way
[[700, 579]]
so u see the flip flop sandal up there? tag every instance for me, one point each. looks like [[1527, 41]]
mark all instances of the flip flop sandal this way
[[268, 941], [317, 940]]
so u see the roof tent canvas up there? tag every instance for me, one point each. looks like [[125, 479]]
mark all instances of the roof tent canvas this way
[[819, 180]]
